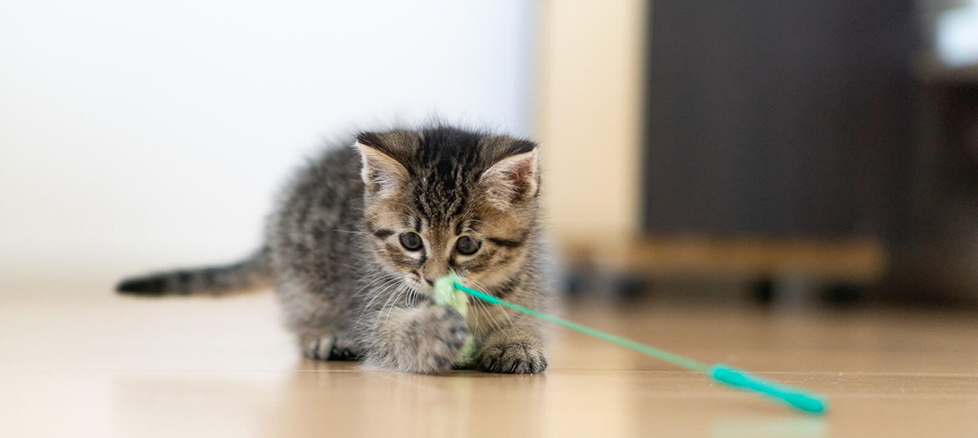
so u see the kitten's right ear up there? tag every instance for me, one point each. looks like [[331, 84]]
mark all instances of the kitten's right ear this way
[[514, 178], [381, 173]]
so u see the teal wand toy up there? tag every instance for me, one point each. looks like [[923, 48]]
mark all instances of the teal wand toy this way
[[445, 293]]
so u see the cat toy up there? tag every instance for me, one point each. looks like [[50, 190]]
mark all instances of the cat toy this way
[[446, 292]]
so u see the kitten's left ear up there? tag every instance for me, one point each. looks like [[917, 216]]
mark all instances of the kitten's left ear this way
[[380, 171], [512, 179]]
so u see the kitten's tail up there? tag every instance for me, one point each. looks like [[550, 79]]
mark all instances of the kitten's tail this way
[[252, 272]]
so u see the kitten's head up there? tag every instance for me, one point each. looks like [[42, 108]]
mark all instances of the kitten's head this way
[[445, 199]]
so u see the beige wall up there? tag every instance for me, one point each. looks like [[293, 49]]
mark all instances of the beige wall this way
[[590, 119], [591, 89]]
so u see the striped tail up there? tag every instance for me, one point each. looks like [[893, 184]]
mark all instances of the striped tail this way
[[215, 280]]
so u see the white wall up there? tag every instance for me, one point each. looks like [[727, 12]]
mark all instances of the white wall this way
[[139, 133]]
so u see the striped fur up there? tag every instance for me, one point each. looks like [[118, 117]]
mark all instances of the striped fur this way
[[348, 287]]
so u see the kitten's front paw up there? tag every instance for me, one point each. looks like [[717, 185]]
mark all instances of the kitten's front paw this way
[[426, 342], [441, 337], [512, 357]]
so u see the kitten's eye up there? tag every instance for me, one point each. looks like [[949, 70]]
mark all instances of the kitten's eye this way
[[411, 241], [466, 245]]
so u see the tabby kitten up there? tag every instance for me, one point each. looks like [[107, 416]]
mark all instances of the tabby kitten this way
[[360, 235]]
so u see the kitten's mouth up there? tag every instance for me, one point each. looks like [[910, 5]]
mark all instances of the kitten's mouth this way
[[417, 283]]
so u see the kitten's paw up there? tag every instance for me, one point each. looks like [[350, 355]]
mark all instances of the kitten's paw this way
[[439, 336], [317, 348], [329, 347], [420, 340], [424, 340], [512, 357]]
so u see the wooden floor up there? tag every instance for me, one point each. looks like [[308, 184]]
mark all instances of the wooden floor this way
[[78, 361]]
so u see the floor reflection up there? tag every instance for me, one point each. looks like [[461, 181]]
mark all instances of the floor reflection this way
[[800, 426]]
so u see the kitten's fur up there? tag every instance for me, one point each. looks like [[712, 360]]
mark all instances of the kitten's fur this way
[[351, 289]]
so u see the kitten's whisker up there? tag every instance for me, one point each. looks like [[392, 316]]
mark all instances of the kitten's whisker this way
[[479, 310], [490, 317], [373, 282], [511, 323], [380, 295], [414, 296], [391, 297], [403, 295], [376, 280], [398, 293], [368, 306], [504, 311], [477, 318], [371, 279]]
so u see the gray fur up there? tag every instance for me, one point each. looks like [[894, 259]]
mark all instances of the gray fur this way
[[250, 273], [349, 290]]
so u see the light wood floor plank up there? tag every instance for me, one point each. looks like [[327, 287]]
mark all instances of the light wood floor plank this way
[[78, 361]]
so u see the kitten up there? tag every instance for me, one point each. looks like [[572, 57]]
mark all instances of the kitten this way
[[360, 235]]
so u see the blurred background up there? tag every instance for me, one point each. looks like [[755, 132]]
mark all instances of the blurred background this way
[[782, 153]]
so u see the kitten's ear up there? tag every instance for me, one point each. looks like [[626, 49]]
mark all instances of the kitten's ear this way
[[380, 171], [512, 179]]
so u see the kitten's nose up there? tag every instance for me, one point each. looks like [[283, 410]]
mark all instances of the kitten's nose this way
[[431, 281]]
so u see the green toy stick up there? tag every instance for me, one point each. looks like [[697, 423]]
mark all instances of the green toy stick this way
[[445, 288]]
